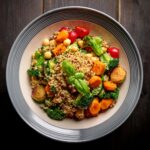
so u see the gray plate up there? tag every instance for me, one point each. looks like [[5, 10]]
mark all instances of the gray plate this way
[[74, 135]]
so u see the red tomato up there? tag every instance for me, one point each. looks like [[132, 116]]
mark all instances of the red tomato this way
[[114, 52], [64, 28], [81, 31], [73, 36], [89, 49]]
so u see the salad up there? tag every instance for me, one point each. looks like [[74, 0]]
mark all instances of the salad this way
[[75, 75]]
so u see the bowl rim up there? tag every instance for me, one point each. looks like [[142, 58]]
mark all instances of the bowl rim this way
[[94, 11]]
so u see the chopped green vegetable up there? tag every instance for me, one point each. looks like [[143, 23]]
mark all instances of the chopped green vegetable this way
[[56, 113], [71, 79], [40, 60], [113, 95], [32, 72], [109, 61], [68, 68], [37, 54], [97, 90], [95, 43], [72, 45], [83, 101], [53, 89]]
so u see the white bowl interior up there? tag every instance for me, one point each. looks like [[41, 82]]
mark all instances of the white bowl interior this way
[[36, 43]]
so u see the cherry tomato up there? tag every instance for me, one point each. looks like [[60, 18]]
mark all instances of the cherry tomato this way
[[64, 28], [81, 31], [89, 49], [73, 36], [114, 52]]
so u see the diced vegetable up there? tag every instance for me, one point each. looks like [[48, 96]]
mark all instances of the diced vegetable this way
[[59, 49], [32, 72], [95, 43], [118, 75], [83, 101], [62, 35], [109, 95], [94, 108], [98, 67], [109, 85], [109, 61], [81, 31], [97, 90], [95, 81], [106, 103], [38, 93], [56, 113]]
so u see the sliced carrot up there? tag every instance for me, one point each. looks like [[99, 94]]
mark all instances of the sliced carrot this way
[[94, 108], [95, 81], [62, 36], [59, 49], [98, 67], [47, 88], [105, 103], [109, 85]]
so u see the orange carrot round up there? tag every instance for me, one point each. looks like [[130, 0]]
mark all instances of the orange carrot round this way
[[94, 108], [95, 81]]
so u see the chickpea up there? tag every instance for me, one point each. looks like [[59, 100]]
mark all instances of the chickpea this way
[[47, 55], [45, 42], [74, 48], [80, 43], [67, 42]]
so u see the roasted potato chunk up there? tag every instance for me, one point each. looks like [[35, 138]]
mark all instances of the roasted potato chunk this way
[[38, 93], [118, 75]]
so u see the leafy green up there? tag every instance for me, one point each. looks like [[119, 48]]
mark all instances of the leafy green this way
[[96, 44], [113, 95], [56, 113], [109, 61], [68, 68], [40, 60], [32, 72], [83, 101]]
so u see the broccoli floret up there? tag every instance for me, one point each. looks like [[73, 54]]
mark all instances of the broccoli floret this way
[[97, 90], [95, 42], [114, 95], [32, 72], [55, 113], [109, 61], [83, 101]]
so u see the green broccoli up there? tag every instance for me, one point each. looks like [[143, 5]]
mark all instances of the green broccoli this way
[[32, 72], [83, 101], [97, 90], [56, 113], [95, 43], [114, 95], [109, 61]]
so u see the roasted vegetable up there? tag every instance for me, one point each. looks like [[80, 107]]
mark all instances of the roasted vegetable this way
[[56, 113], [95, 43], [118, 75], [38, 93], [59, 49], [109, 85], [106, 103], [97, 90], [98, 67], [62, 35], [113, 95], [95, 81], [94, 107], [83, 101], [79, 114], [109, 61]]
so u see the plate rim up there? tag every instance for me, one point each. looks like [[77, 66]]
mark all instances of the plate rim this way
[[108, 17]]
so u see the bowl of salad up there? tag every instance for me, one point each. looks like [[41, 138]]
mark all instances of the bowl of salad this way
[[74, 78]]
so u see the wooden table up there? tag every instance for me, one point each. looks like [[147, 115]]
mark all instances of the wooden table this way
[[132, 14]]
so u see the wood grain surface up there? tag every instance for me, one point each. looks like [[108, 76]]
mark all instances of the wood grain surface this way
[[132, 14]]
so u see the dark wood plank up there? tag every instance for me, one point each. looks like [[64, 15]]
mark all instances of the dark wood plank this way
[[109, 6], [134, 15], [14, 15]]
